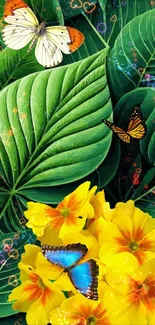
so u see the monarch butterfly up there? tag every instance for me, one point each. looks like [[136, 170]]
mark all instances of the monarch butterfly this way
[[136, 127], [23, 27]]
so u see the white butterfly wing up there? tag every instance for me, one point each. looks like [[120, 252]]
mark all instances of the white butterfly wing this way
[[22, 17], [21, 29], [55, 40], [59, 35], [47, 53], [16, 37]]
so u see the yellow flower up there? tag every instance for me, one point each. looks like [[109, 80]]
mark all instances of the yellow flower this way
[[103, 213], [36, 296], [101, 207], [130, 293], [68, 217], [79, 310], [131, 230]]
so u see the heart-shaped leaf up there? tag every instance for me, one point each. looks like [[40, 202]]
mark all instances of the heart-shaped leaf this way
[[131, 61], [11, 248], [52, 132]]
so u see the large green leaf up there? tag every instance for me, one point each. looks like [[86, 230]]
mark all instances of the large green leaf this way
[[111, 16], [11, 248], [131, 61], [52, 132], [143, 97]]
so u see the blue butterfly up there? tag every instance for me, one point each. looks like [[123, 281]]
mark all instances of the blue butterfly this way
[[83, 276]]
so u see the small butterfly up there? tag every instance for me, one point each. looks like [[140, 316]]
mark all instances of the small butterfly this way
[[23, 27], [136, 128], [83, 276]]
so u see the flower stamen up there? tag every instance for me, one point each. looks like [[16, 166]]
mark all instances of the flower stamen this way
[[65, 212], [91, 321], [133, 246]]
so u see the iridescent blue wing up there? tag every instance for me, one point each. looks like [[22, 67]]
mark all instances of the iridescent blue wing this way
[[84, 278], [64, 256]]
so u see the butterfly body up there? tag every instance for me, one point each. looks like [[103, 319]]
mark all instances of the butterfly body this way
[[83, 276], [136, 127], [23, 27]]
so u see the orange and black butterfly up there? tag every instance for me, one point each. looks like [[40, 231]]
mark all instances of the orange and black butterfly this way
[[136, 127]]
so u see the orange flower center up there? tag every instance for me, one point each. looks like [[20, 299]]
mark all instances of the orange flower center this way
[[65, 212], [40, 283], [143, 291], [133, 246], [135, 243], [91, 321]]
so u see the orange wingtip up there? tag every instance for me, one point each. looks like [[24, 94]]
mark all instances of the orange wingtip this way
[[12, 5], [77, 38]]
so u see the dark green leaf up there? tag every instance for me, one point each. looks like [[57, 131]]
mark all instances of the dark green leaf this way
[[132, 58], [143, 97], [141, 190], [108, 168], [18, 319], [111, 16]]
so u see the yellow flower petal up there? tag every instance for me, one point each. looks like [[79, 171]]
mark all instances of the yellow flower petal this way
[[96, 227], [117, 275], [70, 227], [64, 283], [38, 214], [126, 209], [107, 252], [39, 311], [81, 312], [50, 237], [122, 310], [47, 269], [30, 254], [97, 202], [23, 297], [38, 231], [87, 211], [109, 233]]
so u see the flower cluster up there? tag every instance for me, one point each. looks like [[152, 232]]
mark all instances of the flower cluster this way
[[120, 240]]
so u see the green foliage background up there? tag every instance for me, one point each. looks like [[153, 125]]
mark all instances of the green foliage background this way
[[51, 135]]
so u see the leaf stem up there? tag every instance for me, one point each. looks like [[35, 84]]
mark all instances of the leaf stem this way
[[151, 189], [95, 30]]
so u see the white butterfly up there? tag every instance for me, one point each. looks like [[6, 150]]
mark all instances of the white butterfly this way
[[23, 27]]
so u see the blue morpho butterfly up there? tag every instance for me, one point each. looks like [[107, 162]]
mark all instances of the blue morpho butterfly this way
[[83, 276]]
